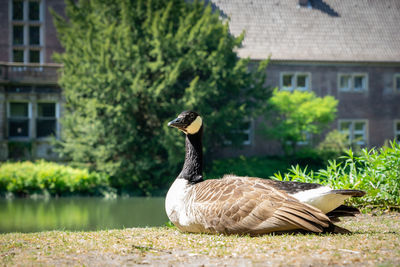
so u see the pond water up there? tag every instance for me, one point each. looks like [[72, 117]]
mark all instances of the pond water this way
[[80, 214]]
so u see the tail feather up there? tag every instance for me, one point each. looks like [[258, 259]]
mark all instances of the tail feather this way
[[348, 192], [342, 211]]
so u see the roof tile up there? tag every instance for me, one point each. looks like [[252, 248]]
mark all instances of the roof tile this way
[[334, 30]]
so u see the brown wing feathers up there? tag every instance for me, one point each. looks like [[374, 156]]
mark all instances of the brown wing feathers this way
[[303, 216], [240, 205]]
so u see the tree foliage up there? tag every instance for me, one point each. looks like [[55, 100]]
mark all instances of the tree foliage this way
[[131, 66], [294, 115]]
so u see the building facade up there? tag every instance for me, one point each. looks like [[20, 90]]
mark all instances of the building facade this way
[[347, 49], [30, 99]]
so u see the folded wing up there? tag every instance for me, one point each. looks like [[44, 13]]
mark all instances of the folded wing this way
[[239, 205]]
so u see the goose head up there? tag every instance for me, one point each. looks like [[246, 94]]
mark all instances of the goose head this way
[[188, 122]]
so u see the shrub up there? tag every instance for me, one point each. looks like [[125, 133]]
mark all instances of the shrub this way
[[376, 171], [335, 145], [246, 166], [295, 115], [41, 177]]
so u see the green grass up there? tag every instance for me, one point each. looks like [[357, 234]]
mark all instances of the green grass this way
[[374, 242]]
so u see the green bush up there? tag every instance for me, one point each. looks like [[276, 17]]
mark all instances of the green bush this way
[[41, 177], [292, 116], [247, 166], [334, 145], [376, 171]]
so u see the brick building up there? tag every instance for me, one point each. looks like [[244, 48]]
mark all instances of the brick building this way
[[30, 99], [348, 49]]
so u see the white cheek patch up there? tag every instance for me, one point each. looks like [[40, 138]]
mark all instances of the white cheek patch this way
[[195, 126]]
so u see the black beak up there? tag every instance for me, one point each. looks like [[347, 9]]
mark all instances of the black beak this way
[[177, 123]]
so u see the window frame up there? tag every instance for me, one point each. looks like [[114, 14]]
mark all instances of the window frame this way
[[249, 132], [396, 130], [295, 75], [395, 85], [56, 118], [308, 79], [26, 47], [353, 76], [9, 117], [349, 83], [352, 131], [283, 88]]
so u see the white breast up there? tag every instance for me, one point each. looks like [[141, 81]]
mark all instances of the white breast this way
[[177, 205], [321, 198]]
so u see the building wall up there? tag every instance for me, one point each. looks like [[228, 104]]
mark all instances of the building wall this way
[[45, 76], [52, 43], [34, 146], [379, 105]]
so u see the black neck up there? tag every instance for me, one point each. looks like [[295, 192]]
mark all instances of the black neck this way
[[193, 167]]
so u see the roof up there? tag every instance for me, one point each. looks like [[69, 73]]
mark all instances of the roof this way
[[325, 30]]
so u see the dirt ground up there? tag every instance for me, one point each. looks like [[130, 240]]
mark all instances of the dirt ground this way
[[375, 241]]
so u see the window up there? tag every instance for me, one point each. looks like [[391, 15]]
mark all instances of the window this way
[[34, 56], [396, 82], [34, 35], [302, 82], [18, 119], [356, 131], [243, 134], [287, 82], [18, 10], [353, 82], [18, 55], [295, 81], [27, 31], [397, 130], [18, 35], [46, 120], [34, 10], [345, 82]]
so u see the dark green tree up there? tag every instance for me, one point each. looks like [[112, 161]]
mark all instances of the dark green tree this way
[[130, 67]]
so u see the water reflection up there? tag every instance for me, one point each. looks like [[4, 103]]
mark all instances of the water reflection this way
[[27, 215]]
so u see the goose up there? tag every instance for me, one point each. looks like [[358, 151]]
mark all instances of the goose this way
[[247, 205]]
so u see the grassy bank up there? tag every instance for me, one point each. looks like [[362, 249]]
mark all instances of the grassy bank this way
[[374, 242]]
